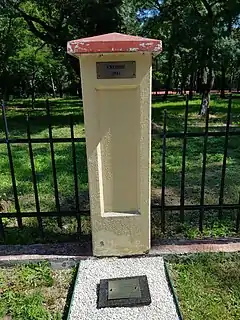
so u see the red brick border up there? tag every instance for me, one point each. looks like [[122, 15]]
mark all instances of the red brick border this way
[[68, 253], [195, 248]]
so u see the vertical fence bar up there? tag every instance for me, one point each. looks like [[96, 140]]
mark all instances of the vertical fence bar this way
[[184, 148], [59, 219], [204, 171], [163, 218], [238, 216], [10, 159], [34, 179], [78, 216], [220, 213]]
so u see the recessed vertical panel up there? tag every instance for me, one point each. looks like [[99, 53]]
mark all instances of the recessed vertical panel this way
[[119, 139]]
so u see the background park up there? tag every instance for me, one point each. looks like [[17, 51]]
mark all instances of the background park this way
[[40, 87]]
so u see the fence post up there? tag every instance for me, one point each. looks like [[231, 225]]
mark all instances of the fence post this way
[[203, 172], [34, 178], [225, 158], [163, 222], [10, 159], [78, 216], [57, 203], [184, 149], [238, 216]]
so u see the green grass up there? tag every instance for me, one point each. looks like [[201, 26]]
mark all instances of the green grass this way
[[208, 286], [60, 110], [34, 292]]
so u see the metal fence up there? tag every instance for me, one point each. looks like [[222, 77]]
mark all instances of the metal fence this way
[[78, 212], [161, 206], [201, 207]]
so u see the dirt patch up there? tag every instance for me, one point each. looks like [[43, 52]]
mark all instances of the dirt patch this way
[[56, 296], [69, 204], [172, 196], [156, 128], [4, 205]]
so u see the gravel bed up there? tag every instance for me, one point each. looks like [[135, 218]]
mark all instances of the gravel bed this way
[[91, 271]]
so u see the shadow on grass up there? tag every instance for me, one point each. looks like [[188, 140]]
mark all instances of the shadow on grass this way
[[31, 234], [60, 117], [17, 125]]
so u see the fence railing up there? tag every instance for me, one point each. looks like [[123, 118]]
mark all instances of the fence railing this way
[[201, 207], [78, 212]]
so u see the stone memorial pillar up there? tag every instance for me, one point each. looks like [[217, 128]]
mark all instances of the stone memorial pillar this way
[[116, 86]]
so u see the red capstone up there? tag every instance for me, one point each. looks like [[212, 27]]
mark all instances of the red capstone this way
[[113, 42]]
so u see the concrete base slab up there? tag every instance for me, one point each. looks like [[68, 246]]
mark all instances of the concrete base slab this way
[[84, 301]]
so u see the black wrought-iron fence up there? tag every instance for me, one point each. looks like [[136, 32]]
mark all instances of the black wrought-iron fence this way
[[201, 207], [78, 211], [51, 141]]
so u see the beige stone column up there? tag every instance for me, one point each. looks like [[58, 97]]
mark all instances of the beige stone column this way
[[116, 86]]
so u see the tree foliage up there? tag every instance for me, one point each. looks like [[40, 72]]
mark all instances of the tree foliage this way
[[201, 42]]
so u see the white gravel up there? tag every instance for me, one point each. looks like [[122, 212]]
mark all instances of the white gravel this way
[[84, 306]]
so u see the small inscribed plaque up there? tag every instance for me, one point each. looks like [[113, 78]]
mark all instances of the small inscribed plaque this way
[[123, 292], [116, 70]]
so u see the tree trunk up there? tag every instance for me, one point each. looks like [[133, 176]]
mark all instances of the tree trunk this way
[[205, 102], [207, 84], [5, 94], [191, 86], [183, 84], [53, 85], [33, 90], [198, 81], [60, 90], [74, 63], [230, 83], [238, 85], [223, 82], [169, 77], [5, 85]]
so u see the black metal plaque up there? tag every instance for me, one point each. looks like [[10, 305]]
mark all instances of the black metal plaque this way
[[123, 292], [116, 70]]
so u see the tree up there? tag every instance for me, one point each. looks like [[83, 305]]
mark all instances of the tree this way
[[56, 22], [200, 42], [191, 31]]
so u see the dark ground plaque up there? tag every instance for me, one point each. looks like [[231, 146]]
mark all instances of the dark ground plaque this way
[[123, 292]]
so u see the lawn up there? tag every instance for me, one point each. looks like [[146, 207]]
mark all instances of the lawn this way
[[35, 292], [60, 110], [207, 286]]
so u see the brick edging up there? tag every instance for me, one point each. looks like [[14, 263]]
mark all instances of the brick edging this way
[[69, 254]]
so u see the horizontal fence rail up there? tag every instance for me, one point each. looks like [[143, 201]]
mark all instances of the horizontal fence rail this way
[[196, 134], [161, 207], [42, 140]]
